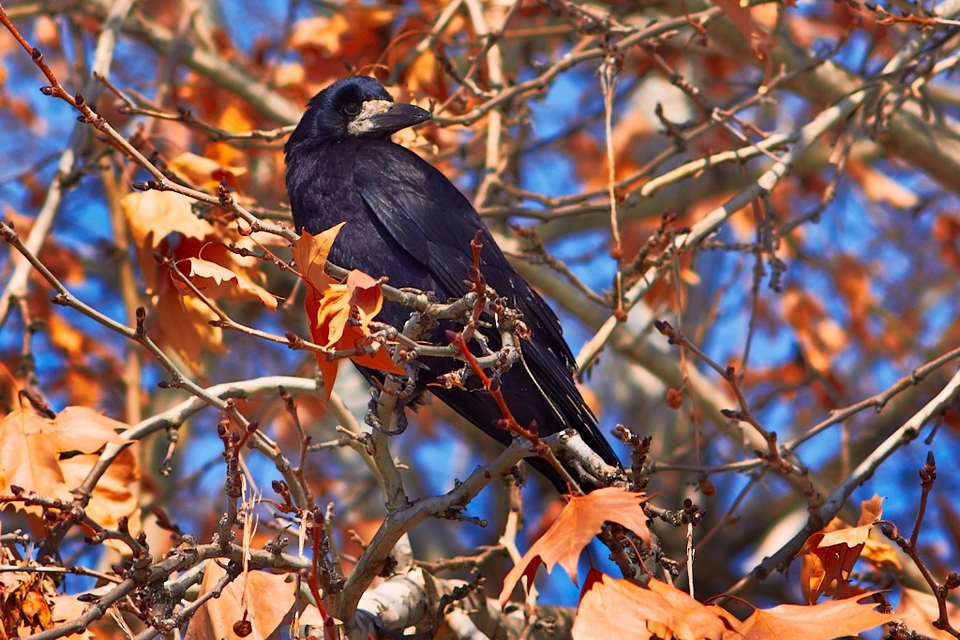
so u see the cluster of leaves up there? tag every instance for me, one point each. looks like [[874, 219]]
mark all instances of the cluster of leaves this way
[[775, 181]]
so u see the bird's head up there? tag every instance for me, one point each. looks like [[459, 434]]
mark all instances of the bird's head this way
[[357, 107]]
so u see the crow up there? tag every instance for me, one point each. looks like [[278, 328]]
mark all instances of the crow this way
[[407, 221]]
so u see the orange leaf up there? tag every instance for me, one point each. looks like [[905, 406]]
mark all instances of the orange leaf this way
[[824, 621], [319, 33], [30, 446], [819, 336], [365, 294], [745, 21], [116, 494], [611, 608], [828, 558], [82, 429], [310, 253], [879, 186], [232, 119], [157, 214], [580, 520], [184, 324], [920, 609], [204, 171], [870, 511], [27, 460], [261, 598], [220, 283], [330, 307]]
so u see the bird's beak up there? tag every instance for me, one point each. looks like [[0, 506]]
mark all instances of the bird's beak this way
[[383, 116]]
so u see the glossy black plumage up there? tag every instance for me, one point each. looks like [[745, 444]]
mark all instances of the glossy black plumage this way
[[406, 220]]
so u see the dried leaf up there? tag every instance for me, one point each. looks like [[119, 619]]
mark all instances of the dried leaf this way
[[824, 621], [82, 429], [821, 337], [320, 33], [828, 558], [918, 611], [226, 154], [581, 519], [330, 307], [153, 215], [30, 446], [611, 608], [261, 598], [27, 459], [744, 20], [878, 186], [310, 254], [220, 283], [184, 324], [205, 172], [116, 494]]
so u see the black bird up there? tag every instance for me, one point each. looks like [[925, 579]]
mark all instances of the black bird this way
[[407, 221]]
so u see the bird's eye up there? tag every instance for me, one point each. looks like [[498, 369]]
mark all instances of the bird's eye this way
[[351, 109]]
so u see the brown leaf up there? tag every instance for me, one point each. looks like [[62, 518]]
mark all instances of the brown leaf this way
[[24, 595], [153, 215], [744, 20], [611, 608], [330, 306], [310, 254], [853, 282], [31, 444], [311, 616], [581, 519], [83, 429], [27, 458], [828, 558], [220, 283], [116, 494], [819, 336], [919, 610], [870, 511], [184, 324], [879, 186], [946, 229], [205, 172], [881, 553], [261, 598], [823, 621]]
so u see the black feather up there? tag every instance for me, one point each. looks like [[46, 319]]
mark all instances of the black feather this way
[[407, 221]]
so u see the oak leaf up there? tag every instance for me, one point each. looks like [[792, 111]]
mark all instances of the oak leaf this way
[[581, 519], [611, 608], [31, 444], [745, 19], [205, 172], [153, 215], [824, 621], [339, 314], [260, 598], [116, 494], [919, 610], [220, 283], [828, 557]]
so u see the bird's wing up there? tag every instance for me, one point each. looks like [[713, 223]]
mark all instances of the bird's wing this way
[[428, 216]]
